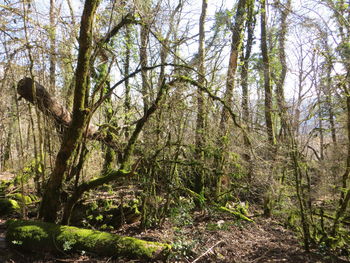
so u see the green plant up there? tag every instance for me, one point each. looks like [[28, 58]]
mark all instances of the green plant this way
[[181, 213], [219, 225], [182, 248], [68, 245]]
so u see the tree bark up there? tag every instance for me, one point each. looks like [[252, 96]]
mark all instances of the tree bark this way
[[52, 35], [344, 196], [284, 11], [124, 169], [199, 137], [45, 102], [143, 62], [267, 78], [250, 26], [72, 137], [236, 42], [235, 48], [329, 97], [127, 101], [5, 155], [342, 14], [251, 21]]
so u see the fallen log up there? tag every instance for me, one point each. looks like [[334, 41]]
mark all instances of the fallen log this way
[[35, 236], [8, 206], [36, 94]]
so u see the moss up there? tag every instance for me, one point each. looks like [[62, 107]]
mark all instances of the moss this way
[[39, 236], [28, 199], [237, 214], [8, 206], [5, 186]]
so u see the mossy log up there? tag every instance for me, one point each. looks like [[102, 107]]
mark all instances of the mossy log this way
[[8, 206], [37, 236], [235, 213]]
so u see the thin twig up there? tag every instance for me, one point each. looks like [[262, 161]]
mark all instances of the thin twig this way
[[208, 251]]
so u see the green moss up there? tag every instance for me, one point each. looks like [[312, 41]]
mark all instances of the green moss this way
[[8, 206], [39, 236], [5, 185], [24, 198], [108, 244], [235, 213]]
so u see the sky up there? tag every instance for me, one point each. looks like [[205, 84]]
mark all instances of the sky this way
[[193, 9]]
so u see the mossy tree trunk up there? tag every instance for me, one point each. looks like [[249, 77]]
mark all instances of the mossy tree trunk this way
[[126, 169], [127, 101], [284, 10], [236, 41], [73, 135], [297, 171], [250, 26], [199, 173], [345, 195], [52, 36], [144, 38], [267, 77], [342, 15]]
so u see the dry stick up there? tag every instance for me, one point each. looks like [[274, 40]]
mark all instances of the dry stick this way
[[262, 256], [214, 97], [208, 251], [131, 75]]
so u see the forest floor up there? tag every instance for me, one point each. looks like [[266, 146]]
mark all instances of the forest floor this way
[[206, 239]]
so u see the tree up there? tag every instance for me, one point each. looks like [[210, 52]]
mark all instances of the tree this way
[[284, 12], [199, 181], [267, 76], [166, 120], [250, 26], [74, 134], [236, 41], [52, 46]]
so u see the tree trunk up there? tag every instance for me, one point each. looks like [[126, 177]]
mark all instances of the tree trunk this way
[[199, 179], [125, 167], [342, 14], [321, 136], [45, 102], [284, 10], [250, 25], [5, 156], [344, 196], [251, 21], [143, 62], [267, 79], [50, 204], [236, 41], [127, 101], [52, 36], [110, 154], [54, 110], [329, 99]]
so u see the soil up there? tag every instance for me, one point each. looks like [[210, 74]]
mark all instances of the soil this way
[[203, 238], [207, 239]]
